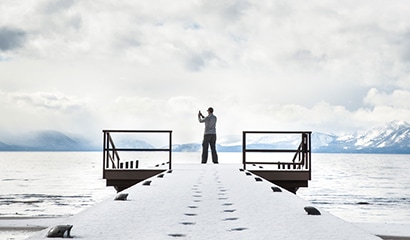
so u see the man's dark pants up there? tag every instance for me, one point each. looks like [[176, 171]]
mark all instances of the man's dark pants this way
[[209, 139]]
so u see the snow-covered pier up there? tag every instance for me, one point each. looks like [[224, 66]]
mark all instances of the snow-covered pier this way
[[207, 201], [221, 201]]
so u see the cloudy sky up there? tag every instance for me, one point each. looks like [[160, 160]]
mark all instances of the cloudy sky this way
[[83, 66]]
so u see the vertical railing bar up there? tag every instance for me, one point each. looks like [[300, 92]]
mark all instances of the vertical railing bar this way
[[303, 148], [308, 149], [310, 152], [170, 150], [244, 149], [106, 150], [104, 156]]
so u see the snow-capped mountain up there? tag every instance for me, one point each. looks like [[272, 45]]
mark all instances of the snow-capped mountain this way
[[394, 137]]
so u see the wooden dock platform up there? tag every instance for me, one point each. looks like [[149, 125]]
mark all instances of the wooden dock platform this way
[[290, 172], [221, 201]]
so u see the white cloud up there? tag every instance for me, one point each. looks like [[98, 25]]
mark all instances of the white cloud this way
[[327, 66], [45, 100], [396, 99], [27, 111]]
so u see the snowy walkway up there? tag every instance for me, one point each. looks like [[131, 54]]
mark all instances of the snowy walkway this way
[[207, 202]]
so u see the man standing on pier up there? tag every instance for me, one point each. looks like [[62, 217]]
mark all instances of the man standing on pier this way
[[209, 135]]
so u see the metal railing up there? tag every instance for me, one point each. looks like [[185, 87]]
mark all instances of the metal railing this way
[[111, 156], [301, 160]]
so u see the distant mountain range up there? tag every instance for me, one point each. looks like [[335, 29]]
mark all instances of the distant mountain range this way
[[48, 140], [394, 137]]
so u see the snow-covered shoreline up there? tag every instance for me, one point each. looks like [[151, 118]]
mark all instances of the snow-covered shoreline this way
[[387, 230], [30, 226]]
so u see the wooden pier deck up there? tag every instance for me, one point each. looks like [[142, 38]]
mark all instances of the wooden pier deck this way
[[207, 202]]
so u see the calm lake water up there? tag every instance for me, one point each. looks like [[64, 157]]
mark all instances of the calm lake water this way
[[361, 187], [355, 187]]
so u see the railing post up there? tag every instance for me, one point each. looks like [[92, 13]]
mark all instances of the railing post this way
[[244, 149], [104, 154], [170, 150], [309, 152]]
